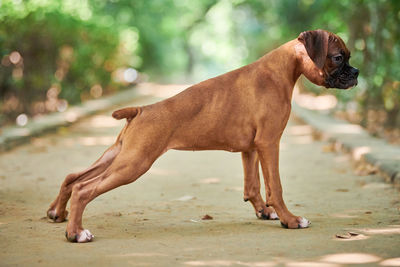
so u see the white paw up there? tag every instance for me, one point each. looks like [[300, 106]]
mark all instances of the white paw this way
[[273, 216], [85, 236], [304, 223]]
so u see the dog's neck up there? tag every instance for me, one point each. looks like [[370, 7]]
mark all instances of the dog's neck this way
[[284, 59]]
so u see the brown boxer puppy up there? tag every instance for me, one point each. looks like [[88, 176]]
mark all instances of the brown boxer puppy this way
[[245, 110]]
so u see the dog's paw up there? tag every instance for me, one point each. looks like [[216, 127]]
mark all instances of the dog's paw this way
[[52, 214], [267, 213], [83, 237], [299, 223], [304, 223]]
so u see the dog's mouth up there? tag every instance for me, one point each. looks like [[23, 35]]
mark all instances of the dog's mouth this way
[[343, 78]]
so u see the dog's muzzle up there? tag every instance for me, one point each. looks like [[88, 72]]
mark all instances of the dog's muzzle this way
[[343, 78]]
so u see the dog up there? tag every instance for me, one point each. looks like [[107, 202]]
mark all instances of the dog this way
[[245, 110]]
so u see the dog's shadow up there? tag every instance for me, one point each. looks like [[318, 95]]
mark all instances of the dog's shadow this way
[[126, 227]]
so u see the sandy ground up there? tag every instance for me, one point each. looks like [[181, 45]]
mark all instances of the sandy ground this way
[[157, 220]]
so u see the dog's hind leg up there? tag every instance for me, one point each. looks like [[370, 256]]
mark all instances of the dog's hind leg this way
[[57, 210], [252, 187], [127, 167]]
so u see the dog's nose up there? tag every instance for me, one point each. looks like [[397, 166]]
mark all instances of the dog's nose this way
[[355, 71]]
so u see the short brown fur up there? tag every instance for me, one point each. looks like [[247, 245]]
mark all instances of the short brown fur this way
[[245, 110]]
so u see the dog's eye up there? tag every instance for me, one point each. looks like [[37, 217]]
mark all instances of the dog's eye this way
[[337, 59]]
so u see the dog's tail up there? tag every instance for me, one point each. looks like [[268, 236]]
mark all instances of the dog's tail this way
[[125, 113]]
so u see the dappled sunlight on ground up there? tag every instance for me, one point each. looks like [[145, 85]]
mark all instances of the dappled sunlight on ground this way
[[395, 229], [330, 260], [355, 234], [229, 263], [158, 220], [71, 116], [311, 264], [358, 152], [390, 262], [211, 180], [350, 258], [381, 185]]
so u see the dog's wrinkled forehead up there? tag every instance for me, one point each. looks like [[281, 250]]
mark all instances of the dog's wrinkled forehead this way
[[337, 46]]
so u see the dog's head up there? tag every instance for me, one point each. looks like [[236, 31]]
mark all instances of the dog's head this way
[[327, 60]]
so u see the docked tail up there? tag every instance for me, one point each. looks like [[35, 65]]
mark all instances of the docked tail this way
[[125, 113]]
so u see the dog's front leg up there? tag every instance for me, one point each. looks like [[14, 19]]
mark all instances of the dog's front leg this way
[[269, 157], [252, 186]]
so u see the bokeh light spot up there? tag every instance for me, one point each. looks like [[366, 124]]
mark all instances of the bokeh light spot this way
[[96, 91], [130, 75], [22, 119], [15, 57]]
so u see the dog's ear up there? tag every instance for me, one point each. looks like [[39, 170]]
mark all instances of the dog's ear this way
[[316, 44]]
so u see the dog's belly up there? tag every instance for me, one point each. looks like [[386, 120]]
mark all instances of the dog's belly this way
[[216, 147], [220, 140]]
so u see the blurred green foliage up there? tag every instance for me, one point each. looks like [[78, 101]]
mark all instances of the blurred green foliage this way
[[53, 50]]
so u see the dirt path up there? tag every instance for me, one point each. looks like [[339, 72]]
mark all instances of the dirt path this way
[[157, 220]]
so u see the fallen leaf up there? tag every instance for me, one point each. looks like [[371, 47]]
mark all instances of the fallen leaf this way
[[351, 236], [341, 170], [328, 148], [207, 217], [364, 169], [343, 236], [116, 214], [63, 131], [347, 235], [342, 190]]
